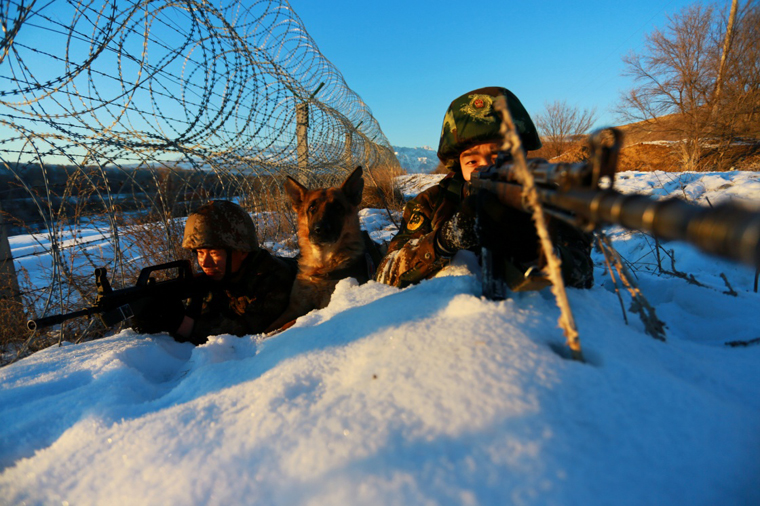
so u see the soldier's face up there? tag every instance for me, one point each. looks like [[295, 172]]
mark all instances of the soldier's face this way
[[478, 156], [213, 262]]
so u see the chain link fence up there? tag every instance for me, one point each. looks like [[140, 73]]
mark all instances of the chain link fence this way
[[123, 116]]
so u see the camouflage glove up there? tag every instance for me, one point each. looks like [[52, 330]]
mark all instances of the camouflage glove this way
[[458, 232], [157, 315]]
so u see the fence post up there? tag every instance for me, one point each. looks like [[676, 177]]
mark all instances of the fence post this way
[[348, 154], [302, 135], [8, 289]]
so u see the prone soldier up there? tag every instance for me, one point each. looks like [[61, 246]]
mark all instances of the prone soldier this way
[[441, 220], [246, 288]]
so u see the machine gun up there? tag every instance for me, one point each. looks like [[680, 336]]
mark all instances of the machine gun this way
[[114, 306], [581, 194]]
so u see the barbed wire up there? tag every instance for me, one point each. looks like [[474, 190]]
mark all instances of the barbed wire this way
[[123, 108]]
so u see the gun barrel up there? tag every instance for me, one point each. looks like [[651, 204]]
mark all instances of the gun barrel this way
[[555, 175], [727, 230], [115, 306], [47, 321]]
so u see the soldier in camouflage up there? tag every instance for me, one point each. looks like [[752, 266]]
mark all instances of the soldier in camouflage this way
[[441, 220], [246, 288]]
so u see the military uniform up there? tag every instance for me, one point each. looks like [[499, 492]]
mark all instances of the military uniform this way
[[413, 254], [245, 300], [246, 303]]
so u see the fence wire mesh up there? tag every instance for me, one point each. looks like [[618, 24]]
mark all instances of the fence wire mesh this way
[[123, 116]]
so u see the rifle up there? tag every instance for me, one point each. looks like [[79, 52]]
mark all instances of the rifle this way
[[581, 194], [114, 306]]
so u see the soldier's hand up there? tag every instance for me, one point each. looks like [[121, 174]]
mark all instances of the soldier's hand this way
[[458, 232], [158, 315]]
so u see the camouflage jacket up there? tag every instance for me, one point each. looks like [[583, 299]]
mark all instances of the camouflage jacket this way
[[412, 256], [248, 302]]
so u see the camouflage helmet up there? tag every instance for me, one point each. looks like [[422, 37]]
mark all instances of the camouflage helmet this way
[[220, 224], [471, 120]]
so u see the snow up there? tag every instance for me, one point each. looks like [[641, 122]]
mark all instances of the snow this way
[[427, 395], [704, 188], [413, 184], [417, 160]]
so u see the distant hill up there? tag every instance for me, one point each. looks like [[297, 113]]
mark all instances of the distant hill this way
[[652, 145], [417, 160], [647, 146]]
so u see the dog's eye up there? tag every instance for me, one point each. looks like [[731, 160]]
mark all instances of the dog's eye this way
[[312, 207]]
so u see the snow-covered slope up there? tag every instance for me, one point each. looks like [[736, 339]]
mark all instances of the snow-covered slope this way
[[427, 395], [412, 185]]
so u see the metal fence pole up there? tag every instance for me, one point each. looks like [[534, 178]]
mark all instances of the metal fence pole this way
[[302, 134], [348, 153]]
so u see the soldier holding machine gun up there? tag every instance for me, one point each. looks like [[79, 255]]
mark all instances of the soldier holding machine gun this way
[[246, 288], [242, 290], [481, 206], [442, 219]]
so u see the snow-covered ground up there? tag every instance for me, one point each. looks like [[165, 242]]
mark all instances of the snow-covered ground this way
[[417, 160], [413, 184], [427, 395]]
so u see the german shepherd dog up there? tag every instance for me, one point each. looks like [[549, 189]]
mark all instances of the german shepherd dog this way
[[332, 245]]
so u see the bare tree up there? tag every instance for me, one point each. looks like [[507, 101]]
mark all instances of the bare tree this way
[[561, 124], [676, 79], [736, 102], [726, 47]]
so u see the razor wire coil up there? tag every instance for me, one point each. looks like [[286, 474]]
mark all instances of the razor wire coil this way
[[114, 108]]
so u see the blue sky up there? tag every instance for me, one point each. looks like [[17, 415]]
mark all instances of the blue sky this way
[[409, 59]]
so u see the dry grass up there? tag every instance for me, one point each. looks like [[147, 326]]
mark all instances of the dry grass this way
[[155, 242], [639, 152], [16, 341], [649, 157], [440, 169], [667, 157], [380, 191], [651, 131], [577, 152], [13, 315], [547, 150], [652, 146]]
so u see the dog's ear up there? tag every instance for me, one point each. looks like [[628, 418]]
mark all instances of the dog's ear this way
[[296, 191], [354, 186]]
